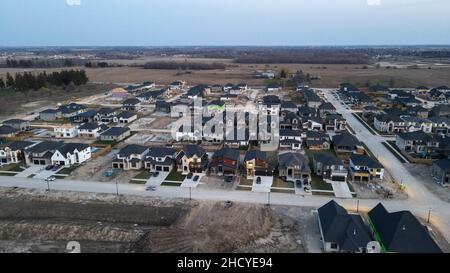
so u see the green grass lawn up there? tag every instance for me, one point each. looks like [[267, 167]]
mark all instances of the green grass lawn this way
[[11, 168], [143, 175], [137, 182], [240, 188], [317, 183], [175, 176], [245, 181], [68, 170], [280, 183], [323, 193], [393, 149], [282, 190], [7, 174], [170, 184]]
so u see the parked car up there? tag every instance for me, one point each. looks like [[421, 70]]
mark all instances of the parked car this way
[[50, 178], [55, 168], [228, 178], [196, 178], [298, 183], [258, 180], [155, 174], [189, 176], [49, 167], [150, 188]]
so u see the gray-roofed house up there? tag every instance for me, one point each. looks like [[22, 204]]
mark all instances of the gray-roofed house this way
[[91, 129], [106, 114], [160, 159], [400, 232], [329, 167], [294, 166], [440, 171], [72, 109], [130, 157], [19, 124], [312, 99], [287, 105], [71, 153], [88, 116], [389, 123], [50, 114], [341, 231], [326, 108], [347, 143], [131, 104], [163, 106], [417, 142], [192, 159], [41, 153], [316, 140], [365, 168], [115, 134], [290, 120], [290, 139], [8, 131], [14, 152], [225, 162], [125, 117]]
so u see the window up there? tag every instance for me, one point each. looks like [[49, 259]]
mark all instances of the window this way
[[333, 246]]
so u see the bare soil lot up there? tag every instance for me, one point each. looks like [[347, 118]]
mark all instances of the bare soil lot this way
[[423, 172], [35, 221]]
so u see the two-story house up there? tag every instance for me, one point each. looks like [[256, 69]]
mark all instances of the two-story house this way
[[192, 159], [225, 162], [365, 168], [130, 157], [160, 159]]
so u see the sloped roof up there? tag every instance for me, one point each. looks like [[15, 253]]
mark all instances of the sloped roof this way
[[115, 131], [345, 139], [132, 149], [401, 232], [365, 160], [71, 147], [249, 155], [191, 150]]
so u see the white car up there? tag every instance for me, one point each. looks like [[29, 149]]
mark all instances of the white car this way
[[50, 178]]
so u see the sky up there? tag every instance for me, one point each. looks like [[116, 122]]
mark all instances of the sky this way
[[223, 22]]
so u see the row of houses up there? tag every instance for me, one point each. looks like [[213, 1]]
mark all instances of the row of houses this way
[[45, 153], [395, 232]]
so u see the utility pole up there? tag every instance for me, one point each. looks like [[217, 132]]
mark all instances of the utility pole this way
[[268, 198], [48, 185], [117, 188], [357, 205], [190, 193], [429, 215]]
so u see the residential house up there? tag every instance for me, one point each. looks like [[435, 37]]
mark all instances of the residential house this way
[[19, 124], [379, 89], [400, 232], [316, 140], [160, 159], [273, 87], [417, 142], [225, 162], [326, 108], [440, 125], [290, 120], [413, 123], [50, 115], [8, 131], [115, 134], [228, 86], [192, 159], [389, 123], [130, 157], [65, 131], [313, 123], [91, 129], [88, 116], [242, 86], [125, 117], [290, 139], [348, 88], [177, 85], [421, 90], [163, 106], [330, 167], [105, 114], [41, 153], [119, 94], [341, 231], [14, 152], [256, 163], [312, 99], [72, 109], [365, 168], [307, 112], [442, 110], [417, 111], [287, 105], [71, 153], [294, 166], [359, 99], [151, 96], [132, 104], [334, 123], [346, 143], [217, 88], [440, 171]]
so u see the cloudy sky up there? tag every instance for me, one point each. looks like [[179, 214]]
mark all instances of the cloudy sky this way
[[223, 22]]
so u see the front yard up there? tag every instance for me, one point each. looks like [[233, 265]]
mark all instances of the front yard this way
[[175, 176], [317, 183]]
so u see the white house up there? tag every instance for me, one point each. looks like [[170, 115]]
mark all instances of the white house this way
[[66, 131], [14, 152], [91, 130], [71, 153]]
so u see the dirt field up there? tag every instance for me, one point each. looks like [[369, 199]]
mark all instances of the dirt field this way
[[424, 173], [34, 221]]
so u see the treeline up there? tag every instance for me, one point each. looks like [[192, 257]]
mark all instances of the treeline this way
[[305, 58], [96, 64], [39, 63], [184, 66], [29, 81]]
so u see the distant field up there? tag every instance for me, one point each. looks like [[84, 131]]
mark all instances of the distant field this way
[[331, 74]]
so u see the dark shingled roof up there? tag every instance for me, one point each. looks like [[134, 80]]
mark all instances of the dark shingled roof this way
[[345, 139], [347, 230], [161, 152], [401, 232], [71, 147], [6, 130], [228, 153], [365, 160], [115, 131], [132, 149], [191, 150], [45, 146], [444, 164], [18, 145], [132, 101], [327, 159], [126, 115], [249, 155]]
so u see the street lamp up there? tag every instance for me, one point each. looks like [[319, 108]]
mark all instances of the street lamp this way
[[117, 188], [268, 198]]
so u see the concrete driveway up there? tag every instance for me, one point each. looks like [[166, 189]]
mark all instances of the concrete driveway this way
[[190, 183], [341, 189], [29, 171], [157, 181], [264, 186]]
